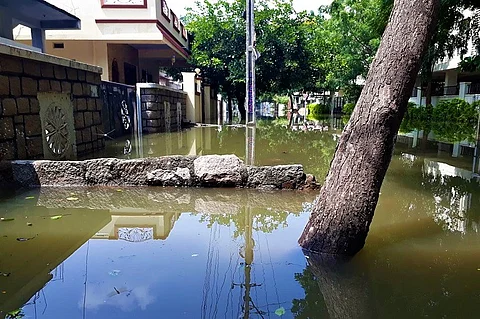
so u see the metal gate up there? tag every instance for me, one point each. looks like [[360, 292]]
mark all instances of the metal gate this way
[[118, 108]]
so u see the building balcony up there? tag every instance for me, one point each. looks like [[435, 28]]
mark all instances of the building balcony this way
[[473, 88]]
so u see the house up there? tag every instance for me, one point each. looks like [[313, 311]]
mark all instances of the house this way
[[449, 82], [129, 39], [132, 41]]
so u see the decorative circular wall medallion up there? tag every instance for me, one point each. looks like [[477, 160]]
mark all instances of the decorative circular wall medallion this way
[[127, 149], [56, 132], [135, 234]]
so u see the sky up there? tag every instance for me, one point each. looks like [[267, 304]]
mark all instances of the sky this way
[[178, 6]]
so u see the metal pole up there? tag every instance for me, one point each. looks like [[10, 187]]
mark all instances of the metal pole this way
[[250, 131], [477, 144], [250, 83], [137, 121], [250, 63]]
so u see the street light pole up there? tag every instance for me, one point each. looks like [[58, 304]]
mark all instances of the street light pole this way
[[250, 83], [251, 56]]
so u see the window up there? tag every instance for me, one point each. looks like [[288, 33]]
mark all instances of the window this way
[[59, 45], [184, 31], [176, 22], [165, 10]]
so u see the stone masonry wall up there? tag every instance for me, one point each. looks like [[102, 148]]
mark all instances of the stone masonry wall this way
[[21, 80], [178, 171], [154, 109]]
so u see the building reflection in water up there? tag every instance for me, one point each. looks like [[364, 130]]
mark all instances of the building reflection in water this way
[[61, 226], [137, 227], [33, 247]]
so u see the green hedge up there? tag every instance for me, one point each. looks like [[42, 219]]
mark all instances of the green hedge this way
[[347, 108], [451, 120], [317, 111], [454, 120]]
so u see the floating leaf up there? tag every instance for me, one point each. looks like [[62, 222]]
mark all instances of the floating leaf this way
[[30, 197], [280, 311], [3, 219], [72, 198], [25, 239], [56, 217]]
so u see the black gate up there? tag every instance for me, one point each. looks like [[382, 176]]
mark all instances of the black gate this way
[[118, 108], [338, 103]]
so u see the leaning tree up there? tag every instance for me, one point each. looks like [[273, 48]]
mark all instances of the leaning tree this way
[[341, 217]]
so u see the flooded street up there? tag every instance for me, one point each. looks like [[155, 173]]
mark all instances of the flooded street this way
[[233, 253]]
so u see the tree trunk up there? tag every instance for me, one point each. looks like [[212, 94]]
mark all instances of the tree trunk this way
[[345, 286], [241, 108], [240, 92], [230, 108], [342, 215], [428, 105], [290, 110]]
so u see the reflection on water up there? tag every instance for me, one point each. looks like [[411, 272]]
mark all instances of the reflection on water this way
[[221, 253], [267, 145]]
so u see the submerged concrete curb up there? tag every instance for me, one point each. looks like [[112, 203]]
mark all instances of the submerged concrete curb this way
[[181, 171]]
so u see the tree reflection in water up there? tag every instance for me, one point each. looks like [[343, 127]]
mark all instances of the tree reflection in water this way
[[421, 257]]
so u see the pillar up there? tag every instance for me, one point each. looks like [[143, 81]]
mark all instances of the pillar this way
[[463, 89], [207, 104], [456, 150], [219, 110], [451, 78], [6, 30], [189, 88], [415, 139], [38, 38]]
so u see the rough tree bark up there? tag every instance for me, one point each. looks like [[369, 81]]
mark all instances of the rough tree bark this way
[[345, 286], [240, 92], [343, 212], [230, 109]]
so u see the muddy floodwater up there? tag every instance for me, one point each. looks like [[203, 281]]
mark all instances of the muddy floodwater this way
[[232, 253]]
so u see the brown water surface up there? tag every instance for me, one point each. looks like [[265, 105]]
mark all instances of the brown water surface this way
[[232, 253]]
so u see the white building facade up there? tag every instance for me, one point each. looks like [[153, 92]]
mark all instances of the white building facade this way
[[129, 39]]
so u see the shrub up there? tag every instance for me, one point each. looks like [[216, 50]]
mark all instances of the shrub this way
[[416, 118], [317, 111], [454, 120], [347, 108]]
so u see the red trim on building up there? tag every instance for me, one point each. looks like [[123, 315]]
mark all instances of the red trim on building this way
[[126, 21], [123, 6], [169, 36], [166, 33]]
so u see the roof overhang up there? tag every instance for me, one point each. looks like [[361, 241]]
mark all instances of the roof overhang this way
[[39, 14], [124, 29]]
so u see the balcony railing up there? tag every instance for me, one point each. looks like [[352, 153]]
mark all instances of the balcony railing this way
[[473, 88], [440, 90], [451, 90], [414, 92]]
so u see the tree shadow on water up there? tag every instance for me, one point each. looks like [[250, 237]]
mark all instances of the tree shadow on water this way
[[335, 287]]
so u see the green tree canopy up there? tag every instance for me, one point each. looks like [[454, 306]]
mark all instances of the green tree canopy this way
[[282, 37]]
